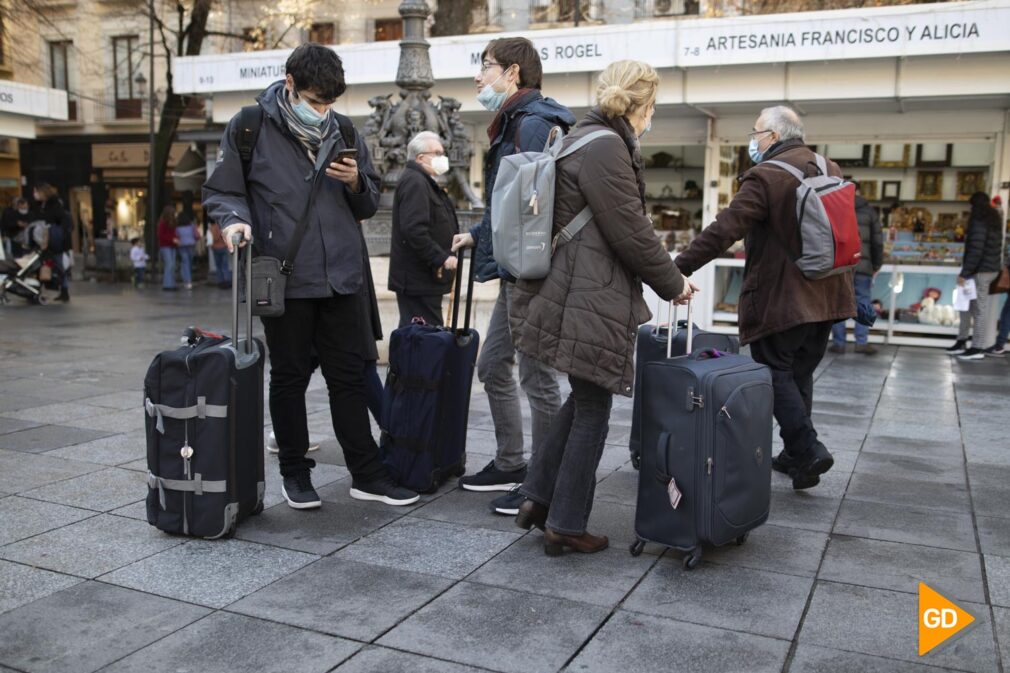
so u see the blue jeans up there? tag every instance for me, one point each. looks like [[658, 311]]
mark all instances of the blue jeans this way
[[1004, 324], [138, 275], [168, 267], [186, 255], [864, 284], [221, 264]]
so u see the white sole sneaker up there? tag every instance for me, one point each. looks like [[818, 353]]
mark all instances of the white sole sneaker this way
[[300, 505], [490, 488], [386, 500]]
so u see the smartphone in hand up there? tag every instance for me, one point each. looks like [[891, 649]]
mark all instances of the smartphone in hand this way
[[343, 155]]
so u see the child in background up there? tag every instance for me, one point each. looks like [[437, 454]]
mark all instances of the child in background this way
[[139, 258]]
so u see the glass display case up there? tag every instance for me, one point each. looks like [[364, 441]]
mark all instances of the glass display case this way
[[674, 176]]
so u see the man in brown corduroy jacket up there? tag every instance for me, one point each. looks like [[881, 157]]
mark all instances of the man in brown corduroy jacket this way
[[785, 317]]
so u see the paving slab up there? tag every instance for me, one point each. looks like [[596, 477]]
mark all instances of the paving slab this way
[[227, 642], [944, 470], [9, 425], [994, 535], [900, 567], [612, 573], [914, 525], [112, 450], [135, 510], [127, 420], [99, 491], [383, 660], [10, 401], [990, 489], [214, 573], [636, 642], [898, 490], [813, 659], [523, 633], [57, 414], [127, 399], [780, 549], [1003, 632], [21, 584], [46, 437], [430, 547], [342, 598], [86, 627], [809, 510], [620, 487], [997, 570], [23, 518], [320, 531], [927, 448], [710, 595], [468, 508], [883, 624], [90, 547]]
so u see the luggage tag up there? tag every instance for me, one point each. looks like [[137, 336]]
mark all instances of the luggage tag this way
[[674, 493]]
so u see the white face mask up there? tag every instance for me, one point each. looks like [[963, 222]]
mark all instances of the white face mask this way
[[23, 211], [440, 165]]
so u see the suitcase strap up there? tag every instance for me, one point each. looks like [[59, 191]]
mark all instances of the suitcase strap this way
[[196, 485], [200, 410]]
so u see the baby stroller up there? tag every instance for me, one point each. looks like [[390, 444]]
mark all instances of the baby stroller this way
[[21, 276]]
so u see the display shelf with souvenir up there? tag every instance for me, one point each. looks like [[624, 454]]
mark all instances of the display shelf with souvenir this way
[[672, 193]]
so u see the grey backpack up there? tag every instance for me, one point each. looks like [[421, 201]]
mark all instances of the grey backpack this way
[[522, 208]]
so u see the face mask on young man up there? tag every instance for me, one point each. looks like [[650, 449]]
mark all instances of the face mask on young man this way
[[306, 114], [492, 100]]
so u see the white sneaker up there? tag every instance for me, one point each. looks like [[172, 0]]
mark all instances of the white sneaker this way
[[273, 448]]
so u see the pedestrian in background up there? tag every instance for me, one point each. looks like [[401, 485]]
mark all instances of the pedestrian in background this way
[[983, 258], [12, 223], [785, 317], [139, 258], [508, 85], [219, 249], [186, 235], [871, 235], [167, 243], [421, 266], [585, 333], [61, 227]]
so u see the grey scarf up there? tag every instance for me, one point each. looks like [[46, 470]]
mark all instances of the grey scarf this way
[[311, 137]]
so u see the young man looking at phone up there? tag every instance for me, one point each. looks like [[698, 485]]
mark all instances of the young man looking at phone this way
[[323, 301]]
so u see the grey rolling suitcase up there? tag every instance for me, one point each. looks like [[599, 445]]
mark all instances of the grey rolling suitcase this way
[[652, 345], [706, 450], [204, 419]]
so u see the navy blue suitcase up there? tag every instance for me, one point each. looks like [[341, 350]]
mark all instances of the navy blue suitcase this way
[[651, 346], [426, 402], [706, 452]]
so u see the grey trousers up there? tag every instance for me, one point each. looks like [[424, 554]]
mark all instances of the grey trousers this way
[[494, 370], [562, 474], [976, 319]]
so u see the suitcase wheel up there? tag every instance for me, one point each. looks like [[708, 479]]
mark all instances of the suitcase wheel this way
[[636, 461], [692, 559], [636, 548], [743, 538]]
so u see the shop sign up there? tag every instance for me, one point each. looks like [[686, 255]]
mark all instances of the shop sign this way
[[806, 36], [848, 34], [130, 155], [34, 101]]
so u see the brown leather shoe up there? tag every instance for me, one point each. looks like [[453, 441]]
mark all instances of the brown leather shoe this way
[[531, 514], [587, 543]]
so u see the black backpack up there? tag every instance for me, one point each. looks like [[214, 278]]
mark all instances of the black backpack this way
[[250, 119]]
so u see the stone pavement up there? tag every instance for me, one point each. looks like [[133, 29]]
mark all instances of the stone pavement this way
[[920, 491]]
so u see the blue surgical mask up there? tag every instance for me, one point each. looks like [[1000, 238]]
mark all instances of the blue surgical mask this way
[[306, 114], [648, 127], [492, 100], [756, 155]]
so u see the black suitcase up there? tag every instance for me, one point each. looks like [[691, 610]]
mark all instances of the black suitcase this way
[[654, 344], [426, 402], [204, 421], [706, 436]]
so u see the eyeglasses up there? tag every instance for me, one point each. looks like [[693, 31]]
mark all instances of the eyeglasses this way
[[487, 65], [757, 133], [440, 153]]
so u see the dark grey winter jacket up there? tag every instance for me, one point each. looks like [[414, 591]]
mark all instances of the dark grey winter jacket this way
[[872, 237], [331, 257]]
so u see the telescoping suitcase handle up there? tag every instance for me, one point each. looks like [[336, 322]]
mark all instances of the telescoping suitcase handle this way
[[458, 289], [674, 328], [245, 355]]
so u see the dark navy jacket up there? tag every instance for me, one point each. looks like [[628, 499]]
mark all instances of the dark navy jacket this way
[[331, 257], [530, 122]]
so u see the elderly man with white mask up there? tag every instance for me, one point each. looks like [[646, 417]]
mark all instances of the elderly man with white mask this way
[[421, 265]]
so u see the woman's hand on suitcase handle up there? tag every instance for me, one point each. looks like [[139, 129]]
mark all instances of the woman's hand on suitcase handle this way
[[461, 241], [685, 296], [237, 229]]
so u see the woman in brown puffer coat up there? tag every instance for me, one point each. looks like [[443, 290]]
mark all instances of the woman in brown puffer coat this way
[[582, 319]]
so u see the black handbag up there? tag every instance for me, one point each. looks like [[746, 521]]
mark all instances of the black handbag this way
[[269, 275]]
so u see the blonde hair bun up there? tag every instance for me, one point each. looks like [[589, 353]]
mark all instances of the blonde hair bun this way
[[626, 86]]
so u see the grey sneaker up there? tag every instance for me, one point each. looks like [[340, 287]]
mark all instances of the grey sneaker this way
[[508, 504]]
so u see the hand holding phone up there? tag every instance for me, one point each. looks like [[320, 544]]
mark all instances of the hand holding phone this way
[[345, 169]]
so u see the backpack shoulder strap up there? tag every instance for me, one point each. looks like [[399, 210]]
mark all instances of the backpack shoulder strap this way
[[585, 140], [347, 132], [250, 119], [792, 170]]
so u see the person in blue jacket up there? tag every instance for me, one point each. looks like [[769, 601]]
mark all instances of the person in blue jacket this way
[[508, 85]]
